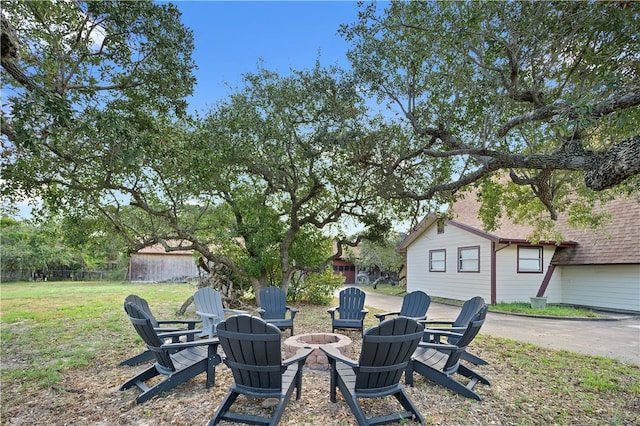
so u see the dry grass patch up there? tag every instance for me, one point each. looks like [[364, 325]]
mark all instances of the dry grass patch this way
[[530, 385]]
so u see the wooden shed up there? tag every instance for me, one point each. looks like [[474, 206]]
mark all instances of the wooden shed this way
[[155, 264]]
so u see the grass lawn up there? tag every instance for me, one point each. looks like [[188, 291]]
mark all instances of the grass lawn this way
[[62, 342], [520, 308]]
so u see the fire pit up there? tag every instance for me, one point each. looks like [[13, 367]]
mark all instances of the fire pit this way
[[317, 360]]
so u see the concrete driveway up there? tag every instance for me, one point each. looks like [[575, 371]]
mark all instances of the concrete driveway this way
[[616, 336]]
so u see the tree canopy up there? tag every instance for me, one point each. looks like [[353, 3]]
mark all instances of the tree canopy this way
[[95, 125], [545, 91], [272, 154], [28, 247], [85, 84]]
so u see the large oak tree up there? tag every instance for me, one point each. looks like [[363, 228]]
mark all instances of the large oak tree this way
[[95, 125], [279, 156], [546, 92]]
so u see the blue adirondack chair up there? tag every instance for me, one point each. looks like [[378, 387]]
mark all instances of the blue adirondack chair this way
[[469, 309], [253, 353], [414, 306], [274, 309], [440, 362], [385, 354], [160, 326], [350, 310], [177, 362], [210, 309]]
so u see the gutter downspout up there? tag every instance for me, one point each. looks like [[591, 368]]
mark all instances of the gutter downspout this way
[[493, 273]]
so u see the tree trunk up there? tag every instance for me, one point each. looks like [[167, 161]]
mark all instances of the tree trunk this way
[[184, 306], [258, 284]]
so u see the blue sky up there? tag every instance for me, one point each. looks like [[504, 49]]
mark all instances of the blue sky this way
[[232, 36]]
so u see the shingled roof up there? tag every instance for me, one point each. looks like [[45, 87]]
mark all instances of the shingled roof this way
[[618, 242], [465, 211], [159, 249]]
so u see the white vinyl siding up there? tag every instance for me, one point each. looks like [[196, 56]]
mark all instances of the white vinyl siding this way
[[603, 286], [448, 284], [515, 286]]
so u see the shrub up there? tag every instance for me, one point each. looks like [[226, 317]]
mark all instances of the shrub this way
[[315, 288]]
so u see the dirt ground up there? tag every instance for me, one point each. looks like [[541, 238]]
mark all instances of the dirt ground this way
[[90, 396]]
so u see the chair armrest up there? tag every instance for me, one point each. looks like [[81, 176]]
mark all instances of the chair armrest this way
[[207, 315], [292, 311], [179, 333], [334, 353], [364, 312], [332, 311], [438, 346], [425, 323], [201, 342], [161, 330], [445, 333], [459, 330], [433, 335], [260, 311], [383, 315], [300, 355], [189, 323]]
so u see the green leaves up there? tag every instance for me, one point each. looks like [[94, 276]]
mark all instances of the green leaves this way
[[537, 87]]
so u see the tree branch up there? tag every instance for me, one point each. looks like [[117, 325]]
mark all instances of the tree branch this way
[[615, 165], [621, 102]]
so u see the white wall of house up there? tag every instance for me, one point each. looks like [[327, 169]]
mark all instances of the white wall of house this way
[[514, 286], [450, 284], [604, 286]]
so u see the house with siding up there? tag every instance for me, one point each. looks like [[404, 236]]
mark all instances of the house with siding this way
[[456, 259], [155, 264]]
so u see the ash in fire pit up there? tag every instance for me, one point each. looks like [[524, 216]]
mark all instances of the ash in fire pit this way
[[317, 360]]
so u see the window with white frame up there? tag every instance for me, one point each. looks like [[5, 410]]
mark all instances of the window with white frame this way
[[438, 260], [530, 259], [469, 259]]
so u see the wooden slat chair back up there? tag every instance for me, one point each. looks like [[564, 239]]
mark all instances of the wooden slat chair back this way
[[385, 355], [144, 306], [469, 309], [274, 309], [470, 333], [161, 326], [439, 362], [350, 310], [143, 324], [211, 310], [414, 305], [252, 348], [178, 362]]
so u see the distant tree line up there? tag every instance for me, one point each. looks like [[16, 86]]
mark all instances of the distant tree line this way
[[40, 251]]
